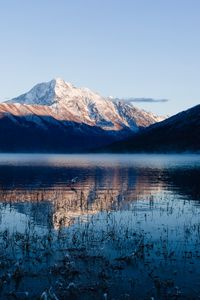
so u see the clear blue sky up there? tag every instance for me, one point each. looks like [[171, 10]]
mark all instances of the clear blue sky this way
[[132, 48]]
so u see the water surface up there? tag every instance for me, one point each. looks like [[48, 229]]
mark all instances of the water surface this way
[[115, 226]]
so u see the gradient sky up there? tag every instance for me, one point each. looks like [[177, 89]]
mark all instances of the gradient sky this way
[[123, 48]]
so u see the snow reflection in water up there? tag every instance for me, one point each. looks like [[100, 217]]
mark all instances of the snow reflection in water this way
[[127, 222]]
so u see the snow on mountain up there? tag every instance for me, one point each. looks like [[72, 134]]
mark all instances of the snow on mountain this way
[[64, 102], [179, 133]]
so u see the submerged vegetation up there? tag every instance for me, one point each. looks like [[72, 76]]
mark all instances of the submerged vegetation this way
[[120, 231]]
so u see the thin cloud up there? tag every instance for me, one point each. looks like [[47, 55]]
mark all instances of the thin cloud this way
[[139, 100]]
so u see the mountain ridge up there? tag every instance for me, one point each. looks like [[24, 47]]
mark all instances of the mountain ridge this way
[[60, 107], [179, 133], [67, 102]]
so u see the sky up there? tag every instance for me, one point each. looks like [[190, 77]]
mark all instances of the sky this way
[[120, 48]]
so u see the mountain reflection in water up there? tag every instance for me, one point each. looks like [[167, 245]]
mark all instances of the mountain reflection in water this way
[[147, 194]]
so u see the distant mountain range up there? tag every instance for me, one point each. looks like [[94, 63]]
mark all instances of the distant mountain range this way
[[56, 116], [179, 133]]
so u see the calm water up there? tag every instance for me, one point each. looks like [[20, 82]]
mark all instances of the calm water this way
[[103, 226]]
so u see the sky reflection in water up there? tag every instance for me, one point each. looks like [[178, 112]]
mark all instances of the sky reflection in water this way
[[117, 204]]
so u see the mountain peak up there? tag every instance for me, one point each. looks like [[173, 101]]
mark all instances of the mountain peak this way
[[61, 83], [45, 93], [58, 80], [53, 92], [67, 102]]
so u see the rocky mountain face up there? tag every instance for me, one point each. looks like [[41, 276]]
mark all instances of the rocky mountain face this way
[[58, 117], [179, 133]]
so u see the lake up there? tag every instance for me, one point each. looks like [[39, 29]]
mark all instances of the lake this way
[[99, 226]]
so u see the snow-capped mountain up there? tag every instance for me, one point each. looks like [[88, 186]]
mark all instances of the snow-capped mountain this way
[[63, 101], [67, 118]]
